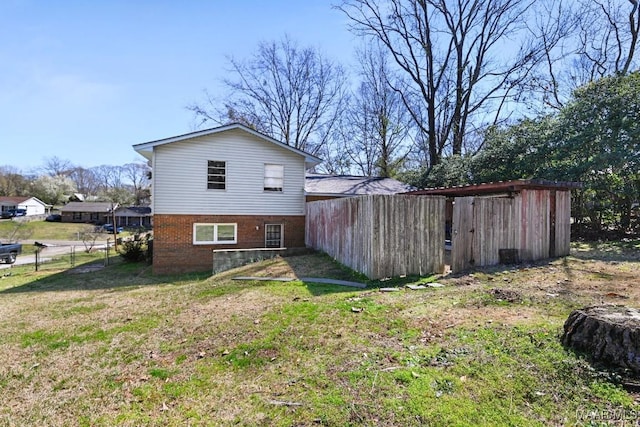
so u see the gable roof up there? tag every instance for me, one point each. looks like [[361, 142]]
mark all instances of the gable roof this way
[[98, 207], [348, 185], [17, 200], [146, 148]]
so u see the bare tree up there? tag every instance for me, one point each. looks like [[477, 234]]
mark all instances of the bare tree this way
[[55, 166], [290, 93], [138, 176], [377, 124], [595, 38], [108, 176], [85, 181], [17, 231], [12, 182], [554, 26], [607, 38], [455, 59]]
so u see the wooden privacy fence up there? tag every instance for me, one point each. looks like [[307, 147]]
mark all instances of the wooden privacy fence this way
[[533, 223], [380, 235]]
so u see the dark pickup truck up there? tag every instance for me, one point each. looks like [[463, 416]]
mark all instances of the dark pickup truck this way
[[9, 252]]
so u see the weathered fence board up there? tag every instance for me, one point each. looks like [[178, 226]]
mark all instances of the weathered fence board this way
[[482, 226], [563, 223], [535, 224], [380, 236]]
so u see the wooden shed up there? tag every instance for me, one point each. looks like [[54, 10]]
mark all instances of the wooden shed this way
[[510, 221]]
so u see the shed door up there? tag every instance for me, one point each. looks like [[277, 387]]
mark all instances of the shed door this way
[[482, 228], [462, 234]]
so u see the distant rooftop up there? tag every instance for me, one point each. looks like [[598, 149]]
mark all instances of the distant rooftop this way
[[98, 207], [348, 185], [13, 199], [498, 187]]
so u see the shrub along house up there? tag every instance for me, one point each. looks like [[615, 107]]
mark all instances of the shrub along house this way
[[228, 187]]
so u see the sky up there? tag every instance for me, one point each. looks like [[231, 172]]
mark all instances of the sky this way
[[84, 80]]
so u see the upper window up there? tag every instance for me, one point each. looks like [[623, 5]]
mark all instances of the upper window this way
[[204, 234], [273, 177], [216, 175]]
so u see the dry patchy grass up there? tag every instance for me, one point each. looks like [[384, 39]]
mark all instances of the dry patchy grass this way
[[122, 347]]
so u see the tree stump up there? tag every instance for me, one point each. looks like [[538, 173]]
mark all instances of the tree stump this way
[[609, 334]]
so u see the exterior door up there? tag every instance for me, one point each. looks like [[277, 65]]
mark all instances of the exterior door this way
[[462, 234], [274, 235]]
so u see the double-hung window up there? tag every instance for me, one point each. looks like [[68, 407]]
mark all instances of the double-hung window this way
[[273, 177], [216, 175], [207, 234]]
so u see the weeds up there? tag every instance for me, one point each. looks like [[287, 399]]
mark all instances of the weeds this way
[[119, 346]]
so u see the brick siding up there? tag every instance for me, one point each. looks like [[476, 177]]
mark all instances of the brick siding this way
[[174, 251]]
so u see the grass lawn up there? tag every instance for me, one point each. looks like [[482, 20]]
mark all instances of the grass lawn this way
[[119, 346], [41, 230]]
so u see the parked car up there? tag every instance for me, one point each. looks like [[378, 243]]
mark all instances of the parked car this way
[[9, 252], [54, 218], [109, 228], [13, 212]]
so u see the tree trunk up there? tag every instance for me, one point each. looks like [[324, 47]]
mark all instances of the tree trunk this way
[[609, 334]]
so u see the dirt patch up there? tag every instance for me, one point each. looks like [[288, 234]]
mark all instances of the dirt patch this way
[[505, 295], [86, 269], [245, 304]]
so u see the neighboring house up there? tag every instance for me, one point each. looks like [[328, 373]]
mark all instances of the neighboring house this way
[[323, 187], [224, 188], [33, 205], [77, 197], [134, 216], [88, 212]]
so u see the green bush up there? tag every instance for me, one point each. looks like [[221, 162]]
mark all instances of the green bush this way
[[136, 249]]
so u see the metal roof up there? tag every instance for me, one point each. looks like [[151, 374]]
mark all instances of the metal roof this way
[[513, 186], [348, 185]]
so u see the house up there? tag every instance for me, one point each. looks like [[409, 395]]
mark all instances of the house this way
[[134, 216], [323, 187], [229, 187], [32, 205], [88, 212]]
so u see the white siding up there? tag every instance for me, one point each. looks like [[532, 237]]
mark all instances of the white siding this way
[[33, 207], [180, 177]]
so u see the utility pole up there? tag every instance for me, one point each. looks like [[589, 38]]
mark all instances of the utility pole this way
[[115, 228]]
